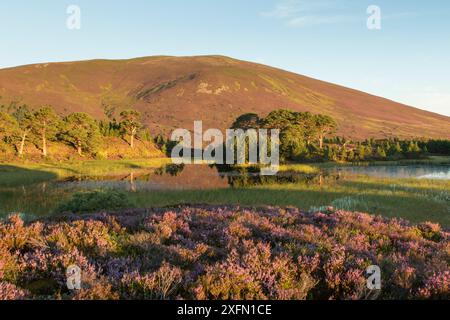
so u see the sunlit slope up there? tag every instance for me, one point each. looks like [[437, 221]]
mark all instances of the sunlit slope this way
[[172, 92]]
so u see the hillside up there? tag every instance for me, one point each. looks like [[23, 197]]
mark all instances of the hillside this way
[[172, 92], [111, 148]]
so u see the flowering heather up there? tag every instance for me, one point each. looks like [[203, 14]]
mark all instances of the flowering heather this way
[[223, 253]]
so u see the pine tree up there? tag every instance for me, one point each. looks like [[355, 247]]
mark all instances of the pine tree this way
[[25, 120], [81, 130], [45, 123], [361, 152], [351, 156], [381, 153], [130, 122], [8, 128]]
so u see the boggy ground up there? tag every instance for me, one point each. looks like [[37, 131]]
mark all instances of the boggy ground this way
[[210, 252]]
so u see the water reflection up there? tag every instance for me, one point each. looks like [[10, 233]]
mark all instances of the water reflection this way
[[399, 172], [246, 179], [39, 198], [170, 177], [437, 175]]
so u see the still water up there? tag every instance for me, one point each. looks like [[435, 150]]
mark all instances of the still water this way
[[40, 198], [398, 172]]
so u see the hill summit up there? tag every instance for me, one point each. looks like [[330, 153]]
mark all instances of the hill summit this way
[[173, 92]]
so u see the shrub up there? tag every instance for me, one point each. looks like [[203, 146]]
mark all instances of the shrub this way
[[255, 273], [86, 202], [161, 284], [223, 253], [9, 291]]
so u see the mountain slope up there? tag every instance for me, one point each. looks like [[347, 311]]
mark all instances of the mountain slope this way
[[173, 92]]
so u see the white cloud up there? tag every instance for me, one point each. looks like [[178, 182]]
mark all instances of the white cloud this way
[[301, 13], [281, 11], [400, 15], [304, 13], [291, 8], [312, 20]]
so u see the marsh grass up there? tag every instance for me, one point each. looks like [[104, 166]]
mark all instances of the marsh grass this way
[[12, 176], [414, 200], [18, 174], [300, 168], [429, 161], [417, 200]]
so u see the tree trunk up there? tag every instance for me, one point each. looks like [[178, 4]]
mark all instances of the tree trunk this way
[[321, 141], [22, 144], [133, 134], [132, 183], [44, 143], [78, 146]]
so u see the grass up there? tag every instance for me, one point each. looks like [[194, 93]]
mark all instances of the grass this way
[[429, 161], [12, 176], [413, 199], [300, 168], [294, 167], [17, 174]]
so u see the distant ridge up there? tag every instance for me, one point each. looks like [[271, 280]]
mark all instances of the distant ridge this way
[[173, 92]]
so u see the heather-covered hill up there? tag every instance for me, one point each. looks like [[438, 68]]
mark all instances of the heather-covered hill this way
[[172, 92]]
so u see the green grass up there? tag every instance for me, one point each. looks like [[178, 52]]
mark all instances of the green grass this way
[[429, 161], [414, 200], [300, 168], [11, 176], [294, 167], [18, 174]]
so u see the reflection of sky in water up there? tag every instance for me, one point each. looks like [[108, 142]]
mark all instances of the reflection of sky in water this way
[[437, 175], [203, 177], [190, 177], [418, 172], [41, 198]]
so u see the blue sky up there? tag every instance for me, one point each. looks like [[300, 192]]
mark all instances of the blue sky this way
[[408, 60]]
